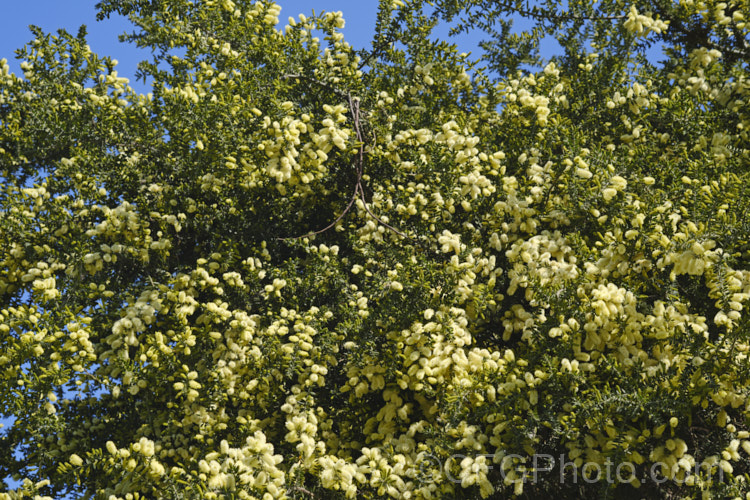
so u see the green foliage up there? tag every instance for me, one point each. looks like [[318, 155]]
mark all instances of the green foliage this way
[[295, 270]]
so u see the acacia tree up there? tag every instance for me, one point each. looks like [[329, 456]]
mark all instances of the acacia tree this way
[[298, 270]]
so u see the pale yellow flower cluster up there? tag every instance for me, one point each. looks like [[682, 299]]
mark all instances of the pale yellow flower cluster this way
[[643, 24]]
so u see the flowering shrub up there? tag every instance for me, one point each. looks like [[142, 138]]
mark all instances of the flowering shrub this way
[[295, 270]]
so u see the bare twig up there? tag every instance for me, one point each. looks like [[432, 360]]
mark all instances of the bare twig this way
[[304, 490], [358, 188], [380, 221], [341, 216]]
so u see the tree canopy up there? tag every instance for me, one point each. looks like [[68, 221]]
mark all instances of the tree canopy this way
[[294, 269]]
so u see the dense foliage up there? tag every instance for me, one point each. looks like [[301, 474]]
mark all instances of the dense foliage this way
[[295, 270]]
